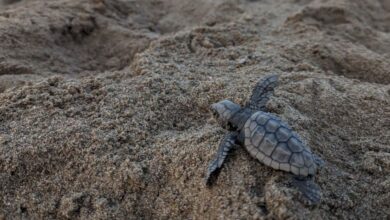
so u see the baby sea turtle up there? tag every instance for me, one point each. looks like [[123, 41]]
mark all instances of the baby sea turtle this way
[[267, 138]]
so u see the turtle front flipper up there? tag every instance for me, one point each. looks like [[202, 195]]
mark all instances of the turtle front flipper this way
[[311, 192], [226, 144], [262, 92]]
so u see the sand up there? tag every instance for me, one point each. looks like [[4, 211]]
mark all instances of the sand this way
[[104, 106]]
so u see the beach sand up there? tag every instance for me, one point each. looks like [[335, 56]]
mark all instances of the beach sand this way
[[104, 106]]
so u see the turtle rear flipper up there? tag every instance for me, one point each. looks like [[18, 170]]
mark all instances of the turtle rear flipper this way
[[310, 191], [319, 162]]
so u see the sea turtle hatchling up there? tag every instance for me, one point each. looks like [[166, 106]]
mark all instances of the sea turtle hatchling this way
[[267, 138]]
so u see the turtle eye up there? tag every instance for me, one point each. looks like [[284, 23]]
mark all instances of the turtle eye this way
[[215, 113], [230, 126]]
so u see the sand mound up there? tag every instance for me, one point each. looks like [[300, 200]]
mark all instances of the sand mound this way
[[104, 106]]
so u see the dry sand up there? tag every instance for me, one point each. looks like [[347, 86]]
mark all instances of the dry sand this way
[[104, 106]]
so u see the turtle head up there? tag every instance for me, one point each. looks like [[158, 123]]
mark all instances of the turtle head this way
[[223, 112]]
